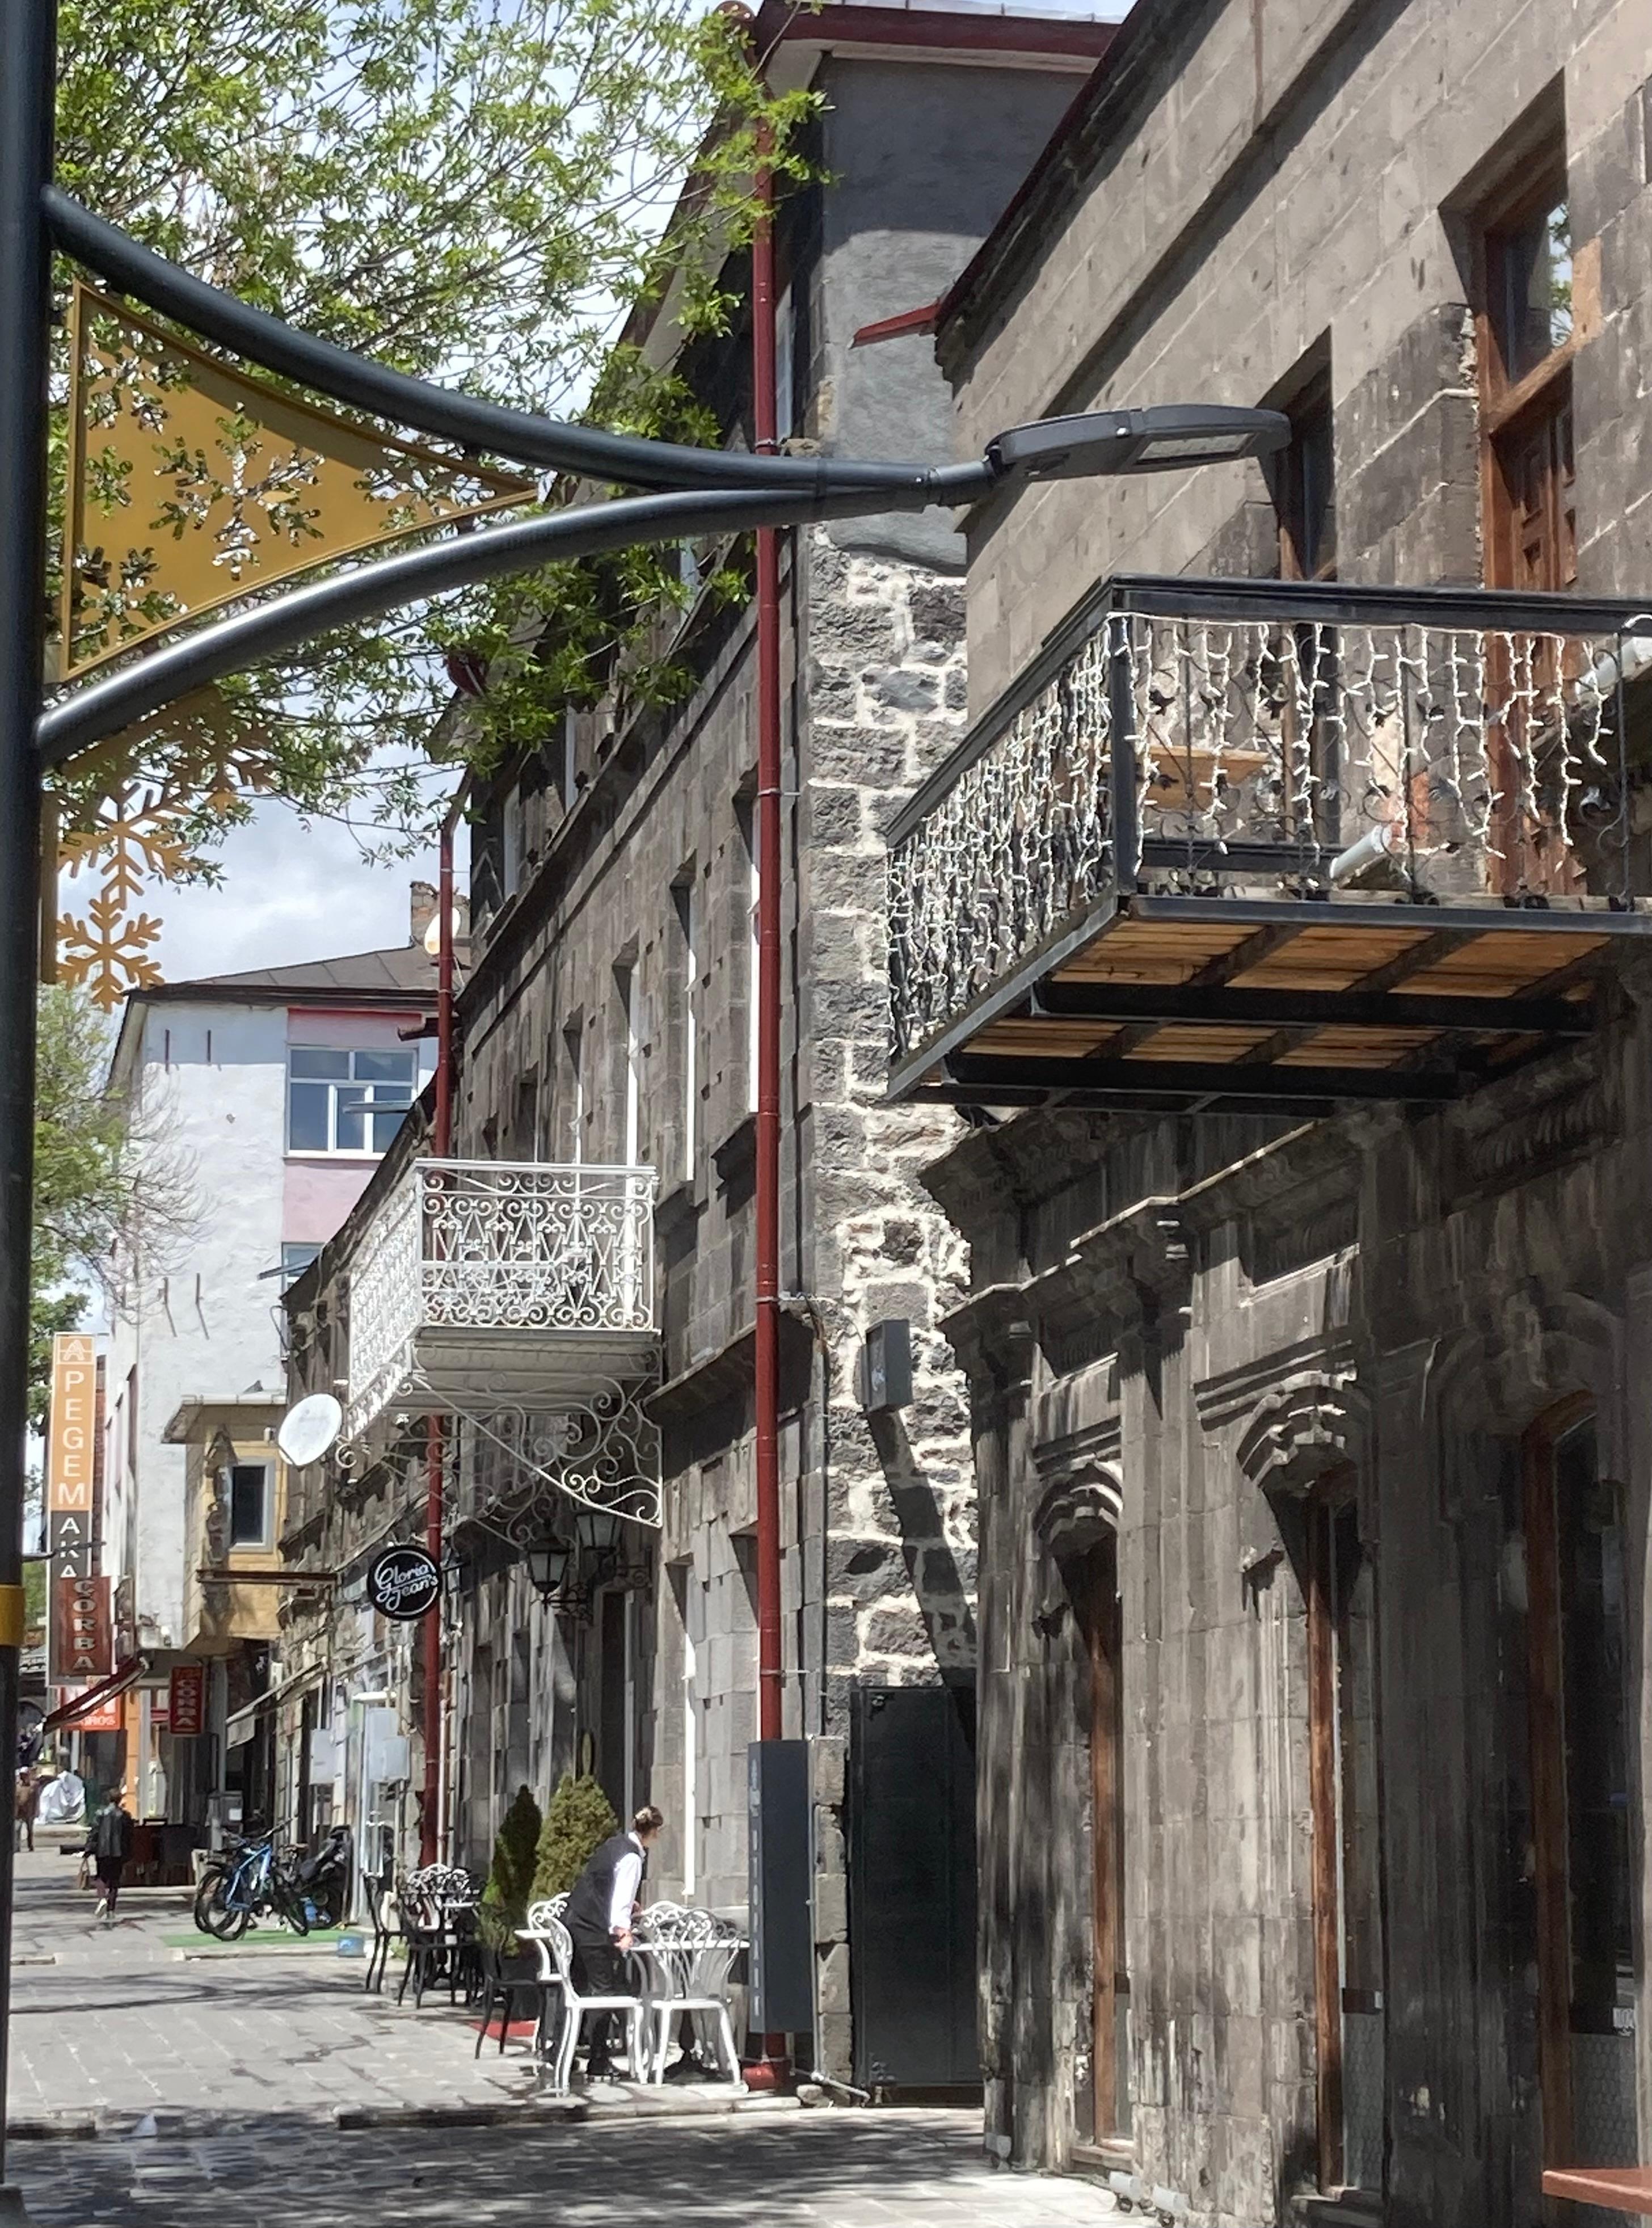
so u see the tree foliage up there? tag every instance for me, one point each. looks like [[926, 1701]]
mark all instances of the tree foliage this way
[[469, 190], [579, 1821]]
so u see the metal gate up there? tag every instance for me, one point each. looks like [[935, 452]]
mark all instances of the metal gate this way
[[913, 1886]]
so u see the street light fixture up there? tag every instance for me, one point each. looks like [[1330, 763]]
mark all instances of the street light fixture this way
[[547, 1566], [1104, 443]]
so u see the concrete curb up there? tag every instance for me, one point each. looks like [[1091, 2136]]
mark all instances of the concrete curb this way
[[55, 2128], [573, 2111], [297, 1948]]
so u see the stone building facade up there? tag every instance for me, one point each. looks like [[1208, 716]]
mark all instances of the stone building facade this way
[[609, 1018], [1313, 1475], [606, 1021]]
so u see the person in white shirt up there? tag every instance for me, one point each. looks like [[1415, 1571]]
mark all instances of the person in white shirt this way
[[599, 1915]]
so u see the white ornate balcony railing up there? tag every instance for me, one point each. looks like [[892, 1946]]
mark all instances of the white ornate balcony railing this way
[[499, 1276], [1268, 740]]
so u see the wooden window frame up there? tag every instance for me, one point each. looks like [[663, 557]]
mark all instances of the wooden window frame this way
[[1504, 401]]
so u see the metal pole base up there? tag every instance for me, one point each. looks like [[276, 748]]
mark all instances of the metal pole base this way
[[12, 2207]]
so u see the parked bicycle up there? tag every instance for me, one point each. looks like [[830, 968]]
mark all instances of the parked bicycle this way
[[254, 1880]]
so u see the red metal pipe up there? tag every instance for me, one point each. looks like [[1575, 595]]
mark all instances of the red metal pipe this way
[[442, 1145], [771, 1667], [771, 1664]]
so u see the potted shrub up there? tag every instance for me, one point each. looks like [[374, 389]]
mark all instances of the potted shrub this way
[[578, 1821]]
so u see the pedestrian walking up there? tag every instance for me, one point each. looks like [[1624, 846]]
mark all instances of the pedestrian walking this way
[[109, 1844], [599, 1915], [27, 1805]]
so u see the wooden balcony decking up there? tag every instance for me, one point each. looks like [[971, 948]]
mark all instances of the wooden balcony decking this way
[[1130, 886]]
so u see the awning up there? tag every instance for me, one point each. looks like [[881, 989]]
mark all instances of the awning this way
[[124, 1675], [238, 1727]]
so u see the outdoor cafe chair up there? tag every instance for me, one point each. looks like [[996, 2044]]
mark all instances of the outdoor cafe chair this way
[[376, 1887], [690, 1953], [437, 1904], [501, 1987], [555, 1946]]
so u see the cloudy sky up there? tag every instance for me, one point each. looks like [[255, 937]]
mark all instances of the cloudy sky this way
[[291, 891]]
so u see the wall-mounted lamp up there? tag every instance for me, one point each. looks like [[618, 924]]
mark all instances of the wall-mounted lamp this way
[[548, 1567]]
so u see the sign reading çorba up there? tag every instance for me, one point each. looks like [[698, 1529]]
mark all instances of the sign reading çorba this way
[[403, 1583]]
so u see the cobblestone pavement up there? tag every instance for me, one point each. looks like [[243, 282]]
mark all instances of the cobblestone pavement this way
[[121, 2023], [793, 2170], [215, 2086]]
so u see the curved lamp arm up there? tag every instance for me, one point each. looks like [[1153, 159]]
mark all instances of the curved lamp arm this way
[[106, 707], [463, 419]]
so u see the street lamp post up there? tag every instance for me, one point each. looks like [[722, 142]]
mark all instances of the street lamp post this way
[[695, 492], [28, 70]]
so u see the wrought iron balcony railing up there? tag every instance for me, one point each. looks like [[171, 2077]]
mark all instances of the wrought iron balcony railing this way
[[485, 1284], [1244, 840]]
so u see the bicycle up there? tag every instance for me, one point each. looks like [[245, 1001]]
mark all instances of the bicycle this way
[[256, 1882]]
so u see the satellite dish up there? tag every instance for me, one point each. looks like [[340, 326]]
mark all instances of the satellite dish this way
[[433, 932], [309, 1430]]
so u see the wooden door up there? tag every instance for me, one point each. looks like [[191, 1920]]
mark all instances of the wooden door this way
[[1095, 1589], [1583, 1832]]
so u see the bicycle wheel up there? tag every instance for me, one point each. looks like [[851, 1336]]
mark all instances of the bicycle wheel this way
[[218, 1910], [289, 1904]]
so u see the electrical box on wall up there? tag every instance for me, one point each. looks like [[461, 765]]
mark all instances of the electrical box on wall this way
[[782, 1888], [883, 1368]]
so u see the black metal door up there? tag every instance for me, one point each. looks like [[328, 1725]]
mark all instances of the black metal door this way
[[913, 1886]]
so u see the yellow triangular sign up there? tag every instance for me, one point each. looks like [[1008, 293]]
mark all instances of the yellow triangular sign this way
[[191, 484]]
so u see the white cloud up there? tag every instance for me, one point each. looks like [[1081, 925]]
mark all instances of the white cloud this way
[[291, 891]]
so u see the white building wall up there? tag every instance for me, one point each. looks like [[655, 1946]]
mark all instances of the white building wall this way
[[200, 1318]]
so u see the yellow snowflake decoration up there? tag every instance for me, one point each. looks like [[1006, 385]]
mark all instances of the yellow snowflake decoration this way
[[135, 834], [106, 949]]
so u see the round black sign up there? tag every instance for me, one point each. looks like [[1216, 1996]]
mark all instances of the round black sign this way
[[403, 1582]]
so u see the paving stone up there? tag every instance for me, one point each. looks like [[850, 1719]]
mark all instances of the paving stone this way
[[217, 2088]]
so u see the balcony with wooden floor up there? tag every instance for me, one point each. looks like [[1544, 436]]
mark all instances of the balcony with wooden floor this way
[[1250, 845]]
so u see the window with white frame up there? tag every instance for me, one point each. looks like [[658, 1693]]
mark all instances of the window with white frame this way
[[347, 1102], [626, 982], [249, 1504], [295, 1259]]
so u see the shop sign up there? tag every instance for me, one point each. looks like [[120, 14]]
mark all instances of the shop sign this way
[[186, 1706], [403, 1583], [82, 1636]]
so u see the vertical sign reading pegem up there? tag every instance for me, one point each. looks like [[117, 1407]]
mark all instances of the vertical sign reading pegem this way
[[71, 1446]]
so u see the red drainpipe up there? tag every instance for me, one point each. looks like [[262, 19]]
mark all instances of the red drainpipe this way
[[766, 1399], [767, 1403], [441, 1147]]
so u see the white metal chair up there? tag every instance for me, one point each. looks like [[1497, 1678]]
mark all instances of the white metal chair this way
[[556, 1946], [691, 1954]]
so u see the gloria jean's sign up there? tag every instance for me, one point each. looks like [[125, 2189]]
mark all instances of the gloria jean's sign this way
[[403, 1583]]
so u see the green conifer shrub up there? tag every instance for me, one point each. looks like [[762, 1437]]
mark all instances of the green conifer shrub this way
[[579, 1820]]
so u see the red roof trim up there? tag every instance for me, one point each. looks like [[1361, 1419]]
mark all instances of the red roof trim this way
[[891, 329]]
